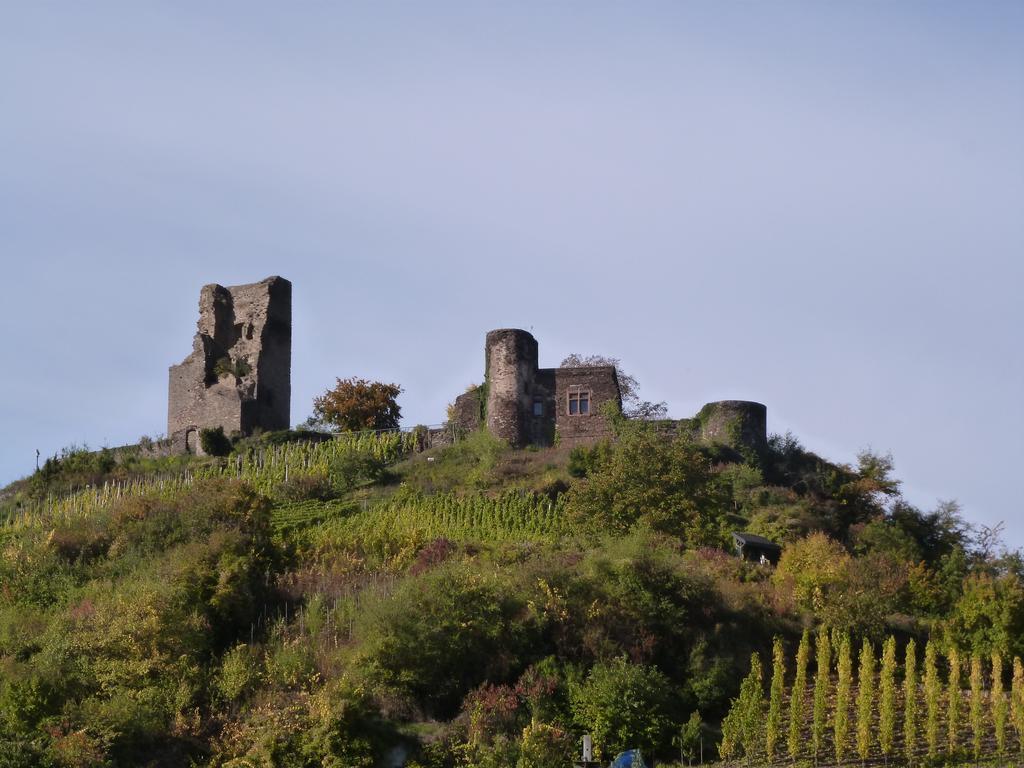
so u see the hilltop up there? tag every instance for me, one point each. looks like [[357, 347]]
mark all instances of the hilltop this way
[[354, 600]]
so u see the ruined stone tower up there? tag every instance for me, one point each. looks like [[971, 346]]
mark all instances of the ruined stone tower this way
[[511, 366], [239, 373]]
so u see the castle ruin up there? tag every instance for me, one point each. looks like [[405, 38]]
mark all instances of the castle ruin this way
[[238, 377], [239, 373], [524, 404]]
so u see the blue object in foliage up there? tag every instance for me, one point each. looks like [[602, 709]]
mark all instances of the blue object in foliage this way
[[630, 759]]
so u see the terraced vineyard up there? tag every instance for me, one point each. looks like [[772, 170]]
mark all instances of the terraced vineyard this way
[[264, 467]]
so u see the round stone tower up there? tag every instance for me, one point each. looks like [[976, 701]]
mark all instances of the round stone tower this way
[[511, 366], [735, 423]]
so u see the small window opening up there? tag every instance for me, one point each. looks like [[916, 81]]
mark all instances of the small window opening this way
[[538, 407], [579, 403]]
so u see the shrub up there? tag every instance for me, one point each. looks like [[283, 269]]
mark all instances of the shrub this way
[[238, 675], [439, 635], [214, 442], [544, 746]]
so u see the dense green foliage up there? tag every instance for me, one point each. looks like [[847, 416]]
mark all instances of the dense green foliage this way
[[311, 600]]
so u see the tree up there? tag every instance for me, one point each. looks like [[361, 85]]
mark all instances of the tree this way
[[989, 615], [796, 697], [774, 723], [998, 703], [1017, 702], [953, 701], [844, 683], [624, 705], [357, 404], [822, 672], [887, 694], [865, 699], [910, 702], [743, 727], [932, 695], [632, 406], [666, 483], [688, 738], [977, 705]]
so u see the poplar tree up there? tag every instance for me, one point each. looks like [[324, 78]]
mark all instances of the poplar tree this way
[[977, 708], [821, 686], [953, 704], [998, 703], [751, 704], [910, 702], [1017, 701], [742, 728], [841, 719], [865, 699], [773, 728], [887, 696], [796, 697], [932, 697]]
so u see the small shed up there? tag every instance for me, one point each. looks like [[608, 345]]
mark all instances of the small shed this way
[[756, 548]]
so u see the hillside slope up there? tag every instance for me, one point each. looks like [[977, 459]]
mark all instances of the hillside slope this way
[[352, 602]]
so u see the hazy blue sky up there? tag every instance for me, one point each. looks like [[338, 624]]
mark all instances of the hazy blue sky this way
[[816, 205]]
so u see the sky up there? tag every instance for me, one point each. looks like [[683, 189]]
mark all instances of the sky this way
[[818, 206]]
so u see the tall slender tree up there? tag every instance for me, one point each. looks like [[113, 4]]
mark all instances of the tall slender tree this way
[[999, 708], [887, 699], [796, 697], [743, 727], [822, 676], [865, 699], [977, 706], [954, 705], [1017, 701], [773, 727], [932, 698], [910, 703], [844, 684]]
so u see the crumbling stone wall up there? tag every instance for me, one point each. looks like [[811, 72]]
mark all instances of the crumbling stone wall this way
[[737, 424], [239, 373]]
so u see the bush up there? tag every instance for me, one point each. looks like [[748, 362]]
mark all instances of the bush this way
[[650, 479], [214, 442], [439, 635], [624, 706]]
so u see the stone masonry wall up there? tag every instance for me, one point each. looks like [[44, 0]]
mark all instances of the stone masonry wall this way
[[602, 385], [239, 373]]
